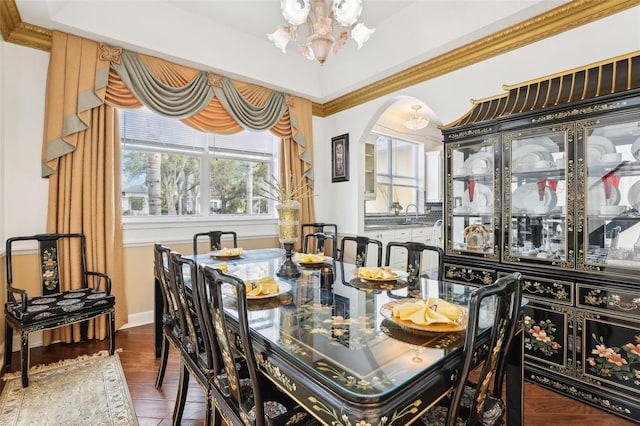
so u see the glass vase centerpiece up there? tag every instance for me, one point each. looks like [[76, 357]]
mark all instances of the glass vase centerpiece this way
[[288, 196]]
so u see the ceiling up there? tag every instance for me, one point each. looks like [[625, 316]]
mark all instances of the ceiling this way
[[229, 36]]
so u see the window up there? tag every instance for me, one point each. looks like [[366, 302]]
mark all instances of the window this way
[[399, 174], [170, 169]]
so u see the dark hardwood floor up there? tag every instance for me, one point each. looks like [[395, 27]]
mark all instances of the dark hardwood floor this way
[[155, 406]]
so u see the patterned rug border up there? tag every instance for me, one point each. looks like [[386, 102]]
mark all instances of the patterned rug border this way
[[45, 367], [103, 387]]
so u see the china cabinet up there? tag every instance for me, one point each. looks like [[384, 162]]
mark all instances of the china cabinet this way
[[545, 180]]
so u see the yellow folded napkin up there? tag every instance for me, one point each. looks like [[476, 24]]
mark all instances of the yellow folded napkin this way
[[236, 251], [376, 273], [222, 266], [423, 312], [265, 285], [308, 257]]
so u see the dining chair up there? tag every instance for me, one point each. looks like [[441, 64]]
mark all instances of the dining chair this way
[[479, 402], [361, 249], [61, 257], [327, 228], [196, 360], [247, 386], [215, 239], [316, 242], [415, 252], [171, 334]]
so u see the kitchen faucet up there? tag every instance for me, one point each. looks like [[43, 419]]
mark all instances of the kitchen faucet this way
[[406, 213]]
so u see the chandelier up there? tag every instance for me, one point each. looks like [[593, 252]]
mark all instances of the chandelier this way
[[416, 121], [320, 16]]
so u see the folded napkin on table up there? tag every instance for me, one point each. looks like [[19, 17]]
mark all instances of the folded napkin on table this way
[[267, 285], [425, 312], [376, 273], [236, 251], [308, 257], [222, 266]]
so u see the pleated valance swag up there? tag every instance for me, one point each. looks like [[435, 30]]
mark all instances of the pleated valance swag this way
[[87, 81]]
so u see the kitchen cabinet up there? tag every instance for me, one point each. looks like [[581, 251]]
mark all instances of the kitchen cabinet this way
[[370, 168], [545, 180], [426, 234]]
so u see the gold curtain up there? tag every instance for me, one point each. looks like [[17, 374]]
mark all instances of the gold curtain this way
[[83, 92], [83, 189]]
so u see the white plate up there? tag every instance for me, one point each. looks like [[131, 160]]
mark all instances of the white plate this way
[[525, 199], [597, 146], [526, 156], [634, 195], [283, 288], [479, 160], [482, 198], [543, 141], [635, 149], [596, 198]]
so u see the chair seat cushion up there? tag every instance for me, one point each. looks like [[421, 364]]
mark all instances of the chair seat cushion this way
[[60, 305], [492, 413]]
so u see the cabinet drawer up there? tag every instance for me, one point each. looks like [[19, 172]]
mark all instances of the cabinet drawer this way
[[610, 300], [402, 235], [546, 289], [469, 274]]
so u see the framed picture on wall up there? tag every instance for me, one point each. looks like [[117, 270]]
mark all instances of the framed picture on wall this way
[[340, 158]]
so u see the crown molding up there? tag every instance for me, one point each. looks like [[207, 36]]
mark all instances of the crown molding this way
[[548, 24], [15, 31], [553, 22]]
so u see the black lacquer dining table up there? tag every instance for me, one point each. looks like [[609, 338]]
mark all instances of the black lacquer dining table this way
[[328, 340]]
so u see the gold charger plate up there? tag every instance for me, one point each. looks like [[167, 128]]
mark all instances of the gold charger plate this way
[[461, 324], [364, 284], [223, 255], [312, 264], [265, 303], [424, 338]]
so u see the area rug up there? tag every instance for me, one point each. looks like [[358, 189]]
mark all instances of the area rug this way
[[89, 390]]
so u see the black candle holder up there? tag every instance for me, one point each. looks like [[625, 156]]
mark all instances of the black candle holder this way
[[288, 269]]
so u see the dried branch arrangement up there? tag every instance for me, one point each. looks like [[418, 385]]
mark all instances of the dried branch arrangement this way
[[291, 190]]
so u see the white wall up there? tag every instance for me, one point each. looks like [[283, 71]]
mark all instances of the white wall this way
[[2, 139], [448, 96], [24, 193]]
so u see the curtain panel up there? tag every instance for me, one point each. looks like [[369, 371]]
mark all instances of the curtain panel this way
[[87, 81]]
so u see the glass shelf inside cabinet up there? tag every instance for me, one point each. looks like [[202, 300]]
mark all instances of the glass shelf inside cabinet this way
[[612, 192], [537, 182], [473, 196]]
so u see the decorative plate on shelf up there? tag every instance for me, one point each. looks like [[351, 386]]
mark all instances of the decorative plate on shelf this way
[[598, 146], [634, 195], [482, 199], [526, 199], [479, 163]]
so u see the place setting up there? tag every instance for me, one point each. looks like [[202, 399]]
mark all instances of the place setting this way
[[379, 278], [432, 314], [311, 260], [227, 253]]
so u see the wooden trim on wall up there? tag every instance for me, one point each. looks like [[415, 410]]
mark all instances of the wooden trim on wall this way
[[547, 24]]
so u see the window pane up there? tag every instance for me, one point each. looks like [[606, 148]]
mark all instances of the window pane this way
[[156, 184], [234, 185]]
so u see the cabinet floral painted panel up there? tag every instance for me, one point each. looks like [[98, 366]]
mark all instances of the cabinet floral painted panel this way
[[548, 337], [610, 357]]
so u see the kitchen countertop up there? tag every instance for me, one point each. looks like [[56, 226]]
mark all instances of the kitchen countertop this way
[[378, 227]]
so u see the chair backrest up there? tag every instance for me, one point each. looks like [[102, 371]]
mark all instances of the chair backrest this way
[[415, 253], [215, 239], [316, 242], [505, 308], [361, 246], [327, 228], [169, 295], [58, 254], [214, 280], [193, 339]]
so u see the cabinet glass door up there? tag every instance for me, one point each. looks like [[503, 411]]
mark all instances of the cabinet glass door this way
[[609, 178], [539, 196], [472, 198]]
